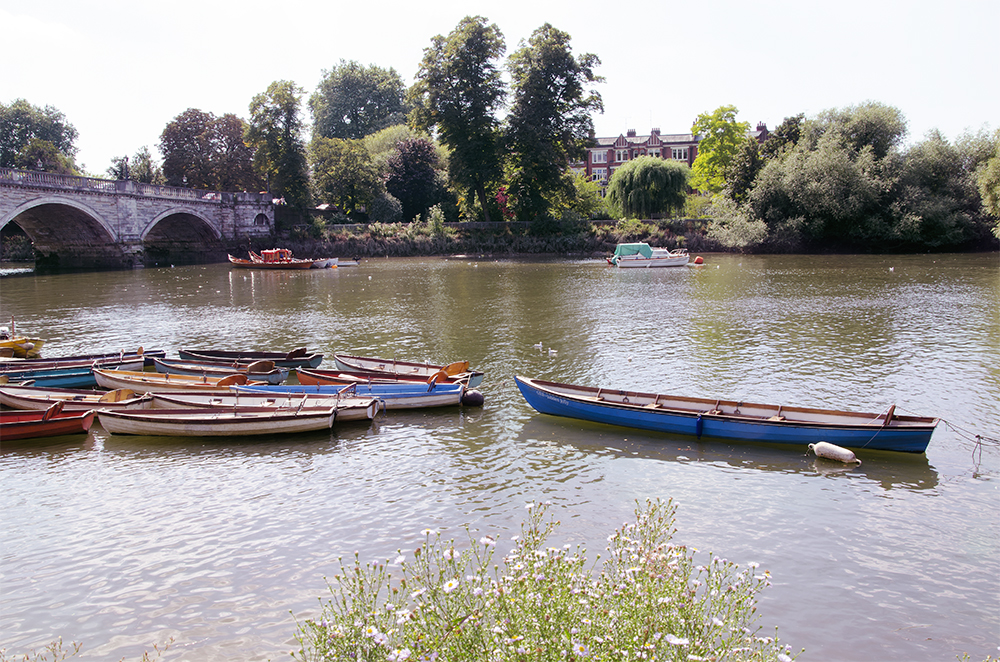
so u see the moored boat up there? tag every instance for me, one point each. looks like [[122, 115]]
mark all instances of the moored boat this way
[[78, 374], [315, 377], [325, 263], [52, 422], [263, 371], [208, 422], [157, 381], [32, 397], [275, 258], [296, 358], [395, 396], [456, 370], [348, 408], [642, 254], [729, 420]]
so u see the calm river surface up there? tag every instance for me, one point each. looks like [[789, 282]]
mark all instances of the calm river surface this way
[[124, 542]]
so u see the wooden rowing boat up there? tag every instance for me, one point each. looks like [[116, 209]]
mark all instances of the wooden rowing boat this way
[[32, 397], [155, 381], [296, 358], [472, 378], [395, 396], [730, 420], [344, 377], [207, 422], [261, 371], [348, 408], [52, 422], [78, 374]]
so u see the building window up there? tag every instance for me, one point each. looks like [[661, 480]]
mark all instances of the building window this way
[[600, 174], [680, 153], [599, 157], [654, 152], [621, 155]]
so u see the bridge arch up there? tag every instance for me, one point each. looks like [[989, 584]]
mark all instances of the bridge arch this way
[[39, 218], [181, 235]]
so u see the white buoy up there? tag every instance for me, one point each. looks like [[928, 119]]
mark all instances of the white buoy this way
[[833, 452]]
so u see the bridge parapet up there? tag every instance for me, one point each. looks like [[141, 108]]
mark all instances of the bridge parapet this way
[[51, 180]]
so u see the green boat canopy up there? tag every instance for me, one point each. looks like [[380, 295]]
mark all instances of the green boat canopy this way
[[633, 249]]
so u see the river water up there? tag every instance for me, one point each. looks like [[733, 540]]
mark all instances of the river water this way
[[123, 542]]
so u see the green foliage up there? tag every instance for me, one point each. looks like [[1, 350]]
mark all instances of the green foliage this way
[[344, 174], [743, 170], [587, 200], [353, 101], [648, 600], [21, 123], [721, 139], [648, 185], [200, 151], [988, 181], [274, 132], [412, 176], [459, 91], [385, 208], [142, 168], [550, 121], [870, 125], [785, 136], [42, 155]]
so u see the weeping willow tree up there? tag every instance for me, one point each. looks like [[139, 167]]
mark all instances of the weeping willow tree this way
[[648, 185]]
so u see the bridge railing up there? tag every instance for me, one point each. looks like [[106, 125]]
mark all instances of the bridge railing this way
[[73, 182]]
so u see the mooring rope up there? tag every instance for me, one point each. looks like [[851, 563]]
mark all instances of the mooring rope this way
[[977, 440]]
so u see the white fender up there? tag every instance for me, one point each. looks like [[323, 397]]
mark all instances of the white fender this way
[[833, 452]]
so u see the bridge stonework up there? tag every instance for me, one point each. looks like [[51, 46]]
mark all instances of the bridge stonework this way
[[82, 222]]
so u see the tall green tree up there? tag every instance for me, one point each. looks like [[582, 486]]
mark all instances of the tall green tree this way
[[988, 181], [274, 132], [412, 176], [22, 123], [233, 157], [721, 139], [352, 101], [187, 144], [550, 121], [459, 91], [648, 185], [344, 174]]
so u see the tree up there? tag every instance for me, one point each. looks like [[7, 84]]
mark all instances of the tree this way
[[353, 101], [459, 91], [743, 170], [871, 125], [21, 123], [274, 133], [343, 173], [187, 146], [721, 138], [785, 136], [233, 158], [412, 176], [550, 121], [42, 155], [141, 168], [648, 185], [988, 180]]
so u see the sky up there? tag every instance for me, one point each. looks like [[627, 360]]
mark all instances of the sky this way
[[121, 70]]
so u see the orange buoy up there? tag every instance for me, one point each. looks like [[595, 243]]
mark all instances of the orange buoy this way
[[698, 260]]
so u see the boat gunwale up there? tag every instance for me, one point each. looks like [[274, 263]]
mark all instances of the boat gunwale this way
[[873, 421]]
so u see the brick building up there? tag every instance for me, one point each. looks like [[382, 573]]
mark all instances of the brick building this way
[[609, 153]]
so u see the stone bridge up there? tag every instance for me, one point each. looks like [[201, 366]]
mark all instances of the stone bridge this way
[[85, 223]]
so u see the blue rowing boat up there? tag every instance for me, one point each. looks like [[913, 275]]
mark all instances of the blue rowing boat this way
[[730, 420]]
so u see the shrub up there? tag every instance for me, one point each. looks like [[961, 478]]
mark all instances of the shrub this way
[[648, 600]]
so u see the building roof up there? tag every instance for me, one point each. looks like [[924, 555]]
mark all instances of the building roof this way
[[634, 140]]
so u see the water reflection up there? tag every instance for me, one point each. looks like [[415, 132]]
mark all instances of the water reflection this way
[[908, 471]]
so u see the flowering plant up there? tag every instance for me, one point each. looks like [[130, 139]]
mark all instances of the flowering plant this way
[[648, 600]]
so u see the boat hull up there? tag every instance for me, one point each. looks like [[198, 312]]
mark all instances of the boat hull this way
[[297, 358], [31, 397], [404, 369], [638, 262], [154, 381], [707, 418], [218, 369], [33, 424], [394, 396], [214, 423], [348, 409]]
